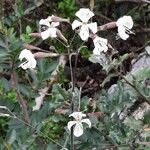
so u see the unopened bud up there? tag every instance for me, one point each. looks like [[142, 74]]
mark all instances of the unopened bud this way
[[43, 55], [58, 19], [60, 35], [36, 34]]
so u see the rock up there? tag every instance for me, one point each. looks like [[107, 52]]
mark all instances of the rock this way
[[141, 62]]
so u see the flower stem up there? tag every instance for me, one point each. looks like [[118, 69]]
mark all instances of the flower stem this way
[[72, 102]]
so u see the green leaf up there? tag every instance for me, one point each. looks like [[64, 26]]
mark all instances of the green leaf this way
[[133, 124], [51, 147], [147, 118], [6, 84], [51, 66], [12, 137], [25, 90], [28, 29]]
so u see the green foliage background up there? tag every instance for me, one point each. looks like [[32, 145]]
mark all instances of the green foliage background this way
[[46, 127]]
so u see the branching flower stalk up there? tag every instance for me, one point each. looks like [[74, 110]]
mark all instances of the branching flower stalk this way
[[86, 29], [72, 101]]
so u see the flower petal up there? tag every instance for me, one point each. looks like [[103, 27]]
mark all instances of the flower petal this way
[[30, 60], [4, 115], [77, 115], [84, 32], [24, 65], [100, 45], [78, 129], [28, 64], [25, 53], [44, 22], [125, 21], [87, 121], [76, 24], [33, 63], [50, 32], [45, 34], [55, 24], [49, 18], [93, 27], [70, 124], [100, 41], [84, 14], [96, 51], [122, 34]]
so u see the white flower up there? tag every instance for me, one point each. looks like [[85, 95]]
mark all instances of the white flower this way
[[51, 28], [84, 14], [78, 128], [124, 25], [3, 107], [100, 45], [30, 61], [4, 115]]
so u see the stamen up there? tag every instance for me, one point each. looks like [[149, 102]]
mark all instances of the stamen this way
[[128, 30]]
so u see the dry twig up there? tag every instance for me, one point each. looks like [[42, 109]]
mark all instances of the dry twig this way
[[54, 76]]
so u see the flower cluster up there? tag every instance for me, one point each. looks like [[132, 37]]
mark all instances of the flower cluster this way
[[86, 29]]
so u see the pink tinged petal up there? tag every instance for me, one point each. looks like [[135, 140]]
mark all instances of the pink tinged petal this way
[[55, 24], [76, 24], [78, 129], [122, 34], [84, 14], [70, 124], [87, 121], [44, 22], [84, 32], [93, 27]]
